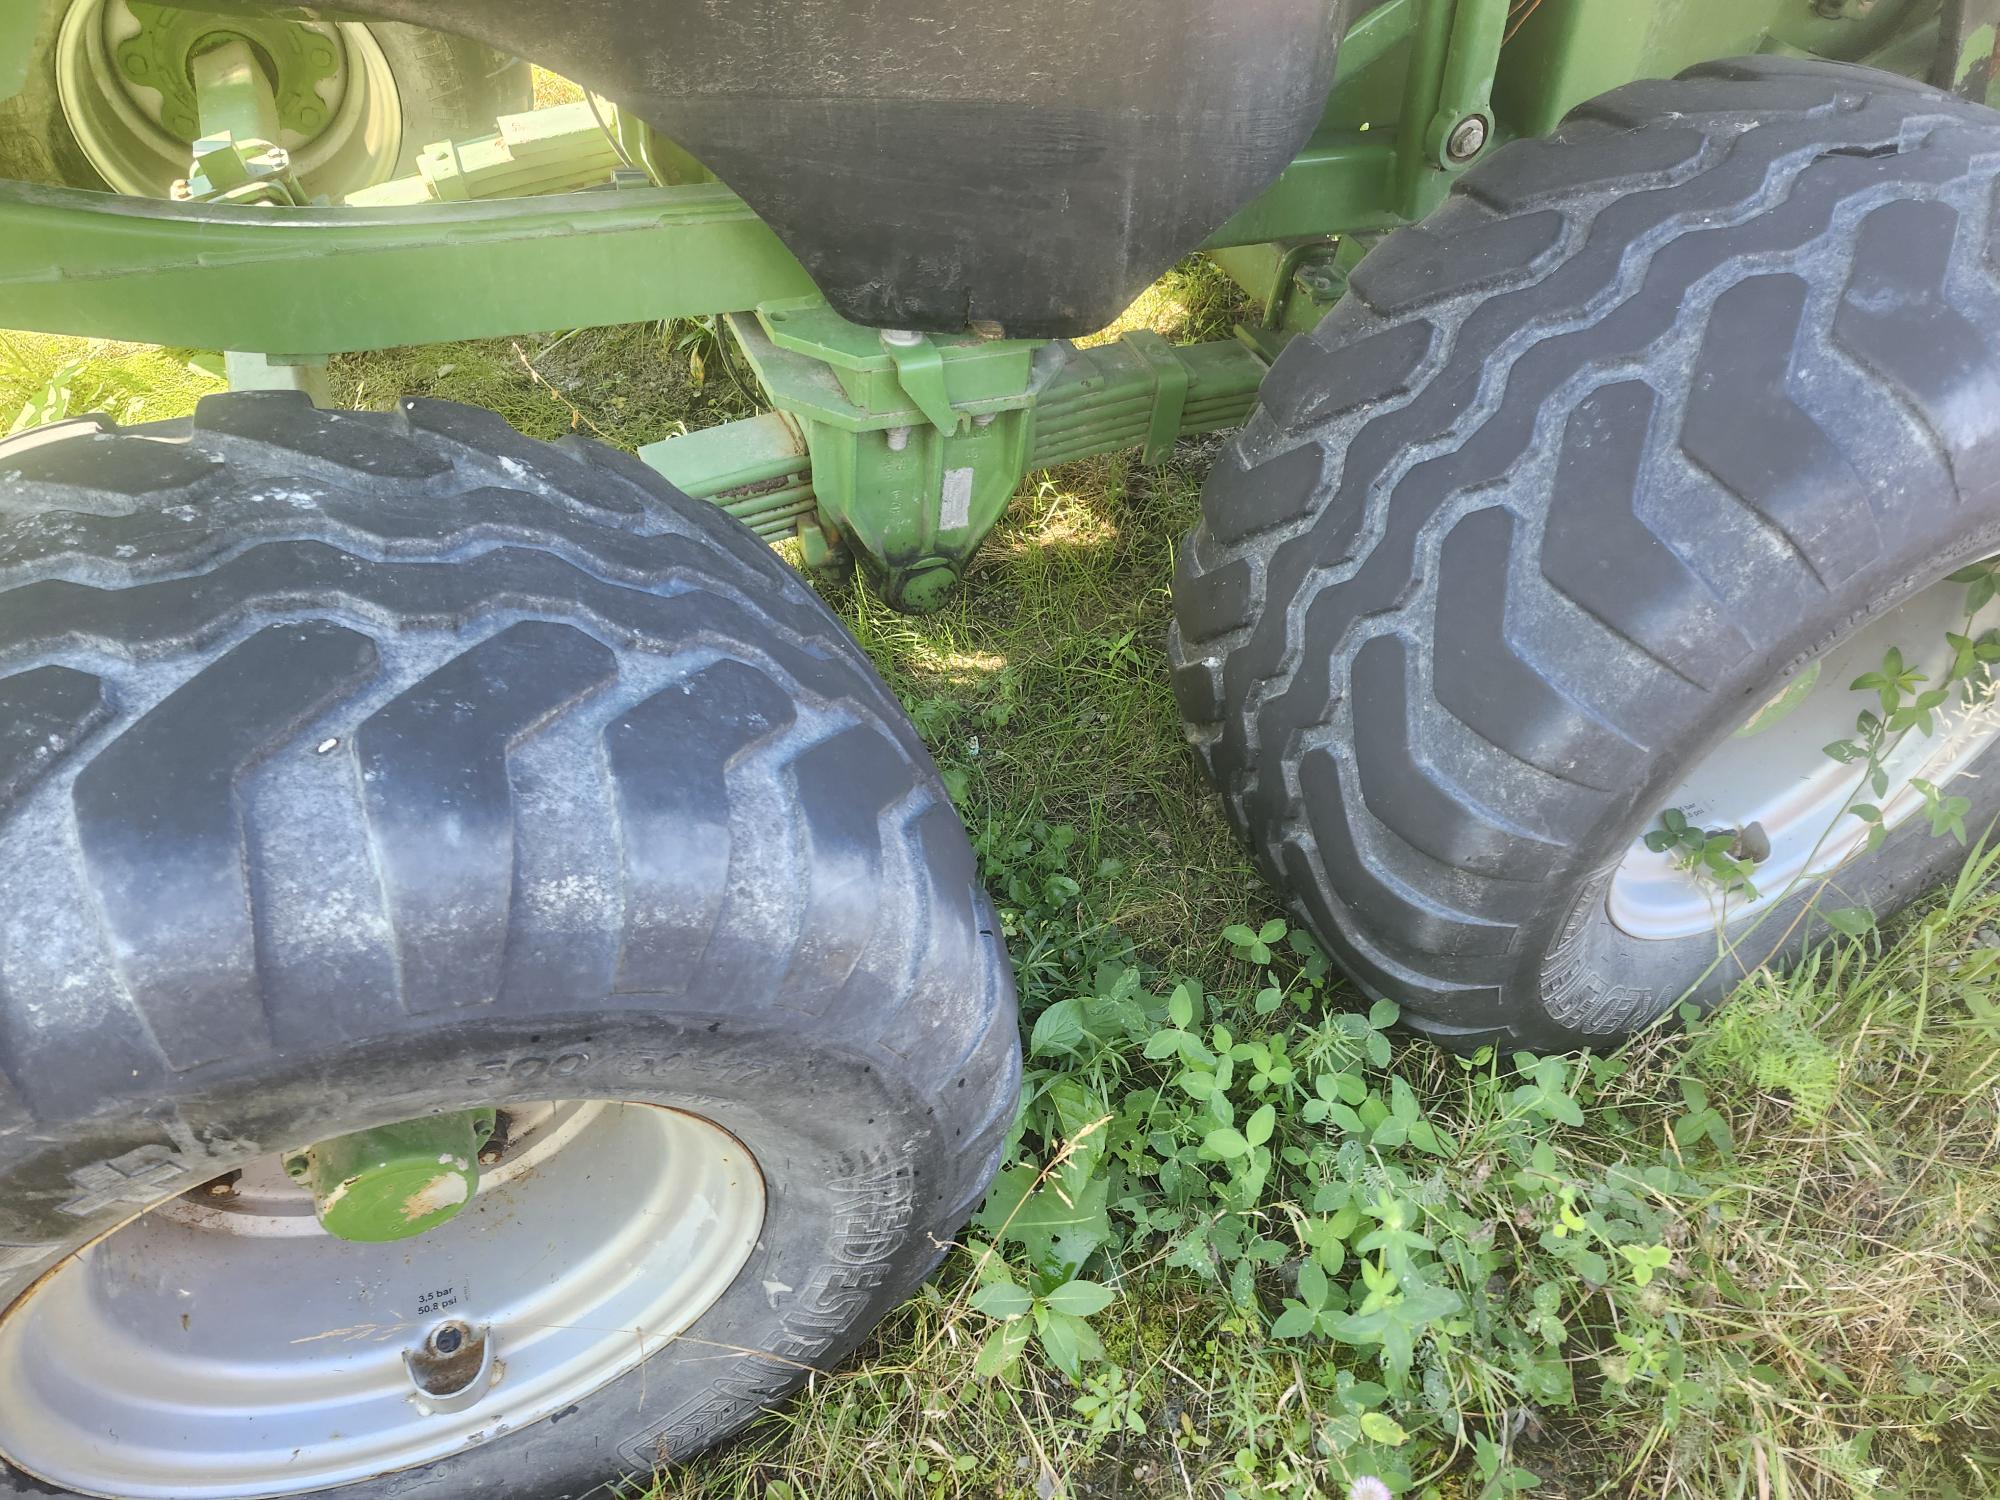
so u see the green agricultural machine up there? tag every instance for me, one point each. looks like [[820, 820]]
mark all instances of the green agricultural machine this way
[[493, 991]]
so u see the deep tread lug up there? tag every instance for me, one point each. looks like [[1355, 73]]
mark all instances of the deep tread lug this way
[[189, 954], [44, 715]]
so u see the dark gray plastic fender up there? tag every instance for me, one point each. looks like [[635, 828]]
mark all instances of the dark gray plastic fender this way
[[933, 163]]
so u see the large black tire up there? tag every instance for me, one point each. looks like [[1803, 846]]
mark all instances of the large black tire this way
[[449, 88], [1649, 413], [352, 766]]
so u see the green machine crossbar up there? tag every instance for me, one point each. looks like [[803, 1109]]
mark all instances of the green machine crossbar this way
[[901, 449]]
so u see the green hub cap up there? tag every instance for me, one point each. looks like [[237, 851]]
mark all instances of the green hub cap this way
[[125, 74], [395, 1181], [160, 55]]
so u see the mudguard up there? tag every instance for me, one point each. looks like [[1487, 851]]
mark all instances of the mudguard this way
[[939, 163]]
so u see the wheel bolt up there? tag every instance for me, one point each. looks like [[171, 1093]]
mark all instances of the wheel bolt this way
[[223, 1186], [1467, 138]]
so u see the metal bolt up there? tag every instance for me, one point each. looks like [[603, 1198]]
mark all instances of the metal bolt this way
[[1316, 281], [1750, 842], [454, 1367], [899, 439], [490, 1156], [223, 1186], [901, 338], [1467, 138]]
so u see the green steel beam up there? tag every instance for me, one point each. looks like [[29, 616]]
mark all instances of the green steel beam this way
[[555, 150], [327, 280], [1341, 185], [1373, 37]]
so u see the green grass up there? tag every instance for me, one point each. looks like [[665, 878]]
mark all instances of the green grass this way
[[1756, 1259]]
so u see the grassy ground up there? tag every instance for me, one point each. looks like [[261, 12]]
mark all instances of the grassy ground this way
[[1251, 1242]]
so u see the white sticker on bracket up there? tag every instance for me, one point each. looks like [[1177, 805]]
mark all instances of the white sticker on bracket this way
[[955, 514]]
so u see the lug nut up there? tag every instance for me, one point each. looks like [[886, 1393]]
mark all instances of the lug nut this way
[[223, 1186]]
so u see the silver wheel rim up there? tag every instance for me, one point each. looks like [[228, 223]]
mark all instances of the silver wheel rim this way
[[117, 123], [1774, 772], [232, 1348]]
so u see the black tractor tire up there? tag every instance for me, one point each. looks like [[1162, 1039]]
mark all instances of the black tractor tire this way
[[356, 767], [1646, 415], [450, 88]]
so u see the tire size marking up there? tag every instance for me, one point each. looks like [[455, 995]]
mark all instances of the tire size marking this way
[[529, 1068]]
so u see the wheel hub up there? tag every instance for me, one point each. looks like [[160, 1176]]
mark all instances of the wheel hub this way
[[125, 75], [299, 60], [396, 1181], [1783, 799]]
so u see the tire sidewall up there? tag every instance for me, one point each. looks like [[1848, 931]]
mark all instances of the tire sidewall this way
[[33, 126]]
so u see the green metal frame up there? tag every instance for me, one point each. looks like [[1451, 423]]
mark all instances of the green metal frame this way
[[899, 449]]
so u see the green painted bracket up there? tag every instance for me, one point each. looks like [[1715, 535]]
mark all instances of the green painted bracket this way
[[545, 151], [920, 372], [1447, 119], [396, 1181], [1465, 92], [1339, 183], [914, 503], [914, 444], [853, 466], [852, 377], [1170, 388]]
